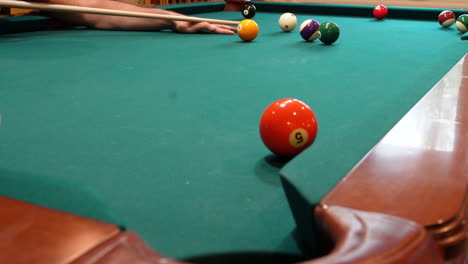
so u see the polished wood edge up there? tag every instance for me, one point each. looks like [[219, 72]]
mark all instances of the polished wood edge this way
[[126, 248], [34, 234], [364, 237], [418, 170]]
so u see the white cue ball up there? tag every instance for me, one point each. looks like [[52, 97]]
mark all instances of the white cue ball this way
[[287, 22]]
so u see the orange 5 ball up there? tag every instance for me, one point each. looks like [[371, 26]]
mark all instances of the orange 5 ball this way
[[288, 126], [247, 30]]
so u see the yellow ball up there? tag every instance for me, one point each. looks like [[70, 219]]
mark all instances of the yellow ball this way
[[247, 30], [287, 22]]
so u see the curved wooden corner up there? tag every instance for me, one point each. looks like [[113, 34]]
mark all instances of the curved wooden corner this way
[[453, 232], [359, 237], [363, 237]]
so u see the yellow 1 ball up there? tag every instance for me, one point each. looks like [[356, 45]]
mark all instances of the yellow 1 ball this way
[[247, 30]]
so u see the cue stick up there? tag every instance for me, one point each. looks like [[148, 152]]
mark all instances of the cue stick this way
[[102, 11]]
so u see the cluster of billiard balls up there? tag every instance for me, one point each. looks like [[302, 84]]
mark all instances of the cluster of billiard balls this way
[[288, 126], [447, 19], [310, 29]]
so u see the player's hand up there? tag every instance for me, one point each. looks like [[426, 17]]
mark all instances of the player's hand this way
[[189, 27]]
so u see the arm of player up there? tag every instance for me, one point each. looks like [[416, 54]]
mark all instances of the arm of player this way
[[129, 23]]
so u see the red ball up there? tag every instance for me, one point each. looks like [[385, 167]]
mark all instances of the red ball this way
[[380, 12], [446, 18], [288, 126]]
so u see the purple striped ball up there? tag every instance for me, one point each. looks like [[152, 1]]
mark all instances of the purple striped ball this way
[[309, 30]]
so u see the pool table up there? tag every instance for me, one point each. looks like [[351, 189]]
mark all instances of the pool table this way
[[143, 147]]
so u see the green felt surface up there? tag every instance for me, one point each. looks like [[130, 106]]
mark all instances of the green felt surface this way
[[159, 131]]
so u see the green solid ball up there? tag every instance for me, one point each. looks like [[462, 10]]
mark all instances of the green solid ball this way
[[462, 23], [329, 32]]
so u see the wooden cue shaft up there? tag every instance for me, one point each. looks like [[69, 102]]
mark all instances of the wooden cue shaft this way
[[101, 11]]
